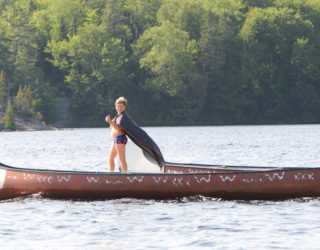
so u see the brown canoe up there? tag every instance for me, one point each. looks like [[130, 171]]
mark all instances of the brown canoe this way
[[178, 180]]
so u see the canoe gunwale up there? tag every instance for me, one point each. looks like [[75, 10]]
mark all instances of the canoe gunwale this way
[[207, 168]]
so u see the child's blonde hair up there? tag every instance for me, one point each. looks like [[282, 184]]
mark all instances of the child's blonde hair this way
[[121, 100]]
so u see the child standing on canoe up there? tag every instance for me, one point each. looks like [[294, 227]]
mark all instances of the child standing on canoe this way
[[118, 135]]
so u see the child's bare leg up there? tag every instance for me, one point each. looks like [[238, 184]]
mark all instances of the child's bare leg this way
[[112, 155], [121, 154]]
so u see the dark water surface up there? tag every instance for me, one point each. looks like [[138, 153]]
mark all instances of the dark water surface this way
[[191, 223]]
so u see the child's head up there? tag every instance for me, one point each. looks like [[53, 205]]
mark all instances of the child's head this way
[[121, 100]]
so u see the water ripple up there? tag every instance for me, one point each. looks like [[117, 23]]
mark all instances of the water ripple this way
[[198, 222]]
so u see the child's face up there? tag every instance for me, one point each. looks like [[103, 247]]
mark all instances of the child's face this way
[[120, 107]]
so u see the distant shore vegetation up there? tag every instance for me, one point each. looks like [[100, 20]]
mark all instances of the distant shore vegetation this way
[[190, 62]]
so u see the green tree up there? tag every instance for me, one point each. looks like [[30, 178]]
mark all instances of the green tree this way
[[3, 94], [258, 3], [186, 15], [23, 101], [95, 66], [20, 45], [168, 55], [8, 118], [273, 41], [219, 58]]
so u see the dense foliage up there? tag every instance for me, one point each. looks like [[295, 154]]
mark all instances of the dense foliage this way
[[177, 62]]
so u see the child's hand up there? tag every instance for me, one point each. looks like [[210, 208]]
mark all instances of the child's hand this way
[[108, 119]]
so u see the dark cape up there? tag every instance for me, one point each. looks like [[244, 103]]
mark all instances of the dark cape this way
[[141, 139]]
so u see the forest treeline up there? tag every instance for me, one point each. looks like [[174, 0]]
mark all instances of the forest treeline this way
[[187, 62]]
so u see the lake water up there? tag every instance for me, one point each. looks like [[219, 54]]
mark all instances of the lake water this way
[[190, 223]]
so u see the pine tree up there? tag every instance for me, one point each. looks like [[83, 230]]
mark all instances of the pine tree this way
[[23, 101], [2, 90], [8, 118]]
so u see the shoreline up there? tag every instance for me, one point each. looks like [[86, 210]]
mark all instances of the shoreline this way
[[27, 124], [28, 127]]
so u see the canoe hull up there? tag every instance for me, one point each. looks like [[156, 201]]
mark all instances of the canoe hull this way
[[240, 185]]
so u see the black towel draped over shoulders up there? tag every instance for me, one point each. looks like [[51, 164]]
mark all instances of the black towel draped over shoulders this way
[[141, 139]]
